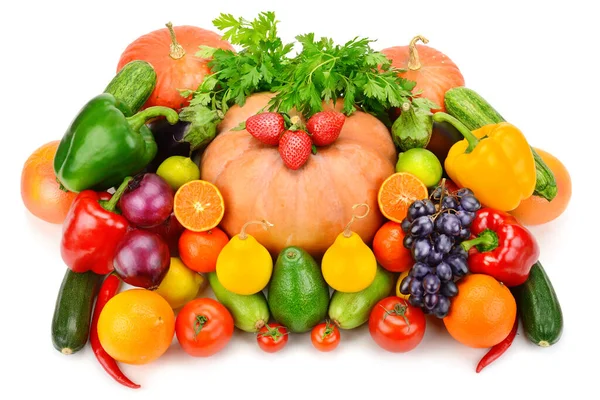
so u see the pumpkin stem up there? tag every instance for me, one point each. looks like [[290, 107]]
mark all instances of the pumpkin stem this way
[[266, 224], [413, 56], [177, 50], [347, 231]]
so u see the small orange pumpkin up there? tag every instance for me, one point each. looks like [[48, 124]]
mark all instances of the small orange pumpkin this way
[[431, 69], [308, 207], [172, 53]]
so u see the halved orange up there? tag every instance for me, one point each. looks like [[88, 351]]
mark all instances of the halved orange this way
[[198, 206], [397, 193]]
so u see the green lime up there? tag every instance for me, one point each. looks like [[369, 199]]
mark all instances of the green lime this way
[[178, 170], [422, 163]]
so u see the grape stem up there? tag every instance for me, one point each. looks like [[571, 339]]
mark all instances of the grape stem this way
[[484, 242]]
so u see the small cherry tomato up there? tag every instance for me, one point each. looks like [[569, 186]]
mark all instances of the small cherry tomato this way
[[395, 325], [272, 337], [325, 337], [203, 327]]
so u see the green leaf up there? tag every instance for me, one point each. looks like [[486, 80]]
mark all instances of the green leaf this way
[[251, 78], [206, 52], [372, 89], [185, 92]]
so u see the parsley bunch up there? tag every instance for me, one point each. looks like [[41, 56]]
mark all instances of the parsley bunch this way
[[364, 78], [321, 71]]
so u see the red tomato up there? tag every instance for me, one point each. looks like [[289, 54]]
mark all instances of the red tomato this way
[[272, 337], [389, 250], [325, 337], [203, 327], [395, 325]]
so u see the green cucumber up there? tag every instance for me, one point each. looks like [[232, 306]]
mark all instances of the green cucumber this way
[[351, 310], [73, 310], [539, 308], [133, 85], [473, 111], [250, 313]]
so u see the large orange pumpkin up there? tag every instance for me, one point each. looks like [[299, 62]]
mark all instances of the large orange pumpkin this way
[[308, 207]]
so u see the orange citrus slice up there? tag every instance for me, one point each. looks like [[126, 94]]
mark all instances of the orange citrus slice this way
[[199, 206], [397, 193]]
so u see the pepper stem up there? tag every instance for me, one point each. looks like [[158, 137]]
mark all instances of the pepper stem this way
[[347, 231], [467, 134], [485, 241], [177, 50], [413, 56], [138, 120], [111, 204], [266, 224]]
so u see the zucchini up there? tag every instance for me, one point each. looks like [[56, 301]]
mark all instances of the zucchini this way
[[539, 308], [133, 85], [470, 108], [73, 310], [351, 310], [474, 111], [249, 312]]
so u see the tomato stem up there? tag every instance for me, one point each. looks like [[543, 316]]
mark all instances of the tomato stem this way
[[201, 320], [414, 63], [177, 50], [399, 310], [328, 330], [273, 333]]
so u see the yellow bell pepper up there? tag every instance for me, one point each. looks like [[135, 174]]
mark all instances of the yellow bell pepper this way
[[494, 161]]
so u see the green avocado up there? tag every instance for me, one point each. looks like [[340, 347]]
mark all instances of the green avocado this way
[[298, 295]]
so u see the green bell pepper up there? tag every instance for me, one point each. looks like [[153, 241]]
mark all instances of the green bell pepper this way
[[103, 146]]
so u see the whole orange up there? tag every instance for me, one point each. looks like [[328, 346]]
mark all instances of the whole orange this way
[[389, 249], [199, 250], [136, 326], [483, 312], [40, 191], [537, 210]]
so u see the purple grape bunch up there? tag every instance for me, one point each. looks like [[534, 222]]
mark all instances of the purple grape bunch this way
[[434, 230]]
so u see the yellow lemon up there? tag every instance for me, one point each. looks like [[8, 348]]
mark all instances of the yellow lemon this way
[[180, 284], [244, 266], [400, 278], [349, 265]]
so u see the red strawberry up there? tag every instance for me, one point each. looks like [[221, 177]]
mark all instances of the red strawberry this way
[[295, 148], [266, 127], [325, 127]]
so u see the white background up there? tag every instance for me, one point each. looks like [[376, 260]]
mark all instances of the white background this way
[[537, 64]]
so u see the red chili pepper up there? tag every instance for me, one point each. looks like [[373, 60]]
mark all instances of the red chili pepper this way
[[92, 231], [109, 288], [501, 247], [499, 349]]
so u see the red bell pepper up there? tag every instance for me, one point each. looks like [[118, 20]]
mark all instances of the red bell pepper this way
[[501, 247], [92, 231]]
